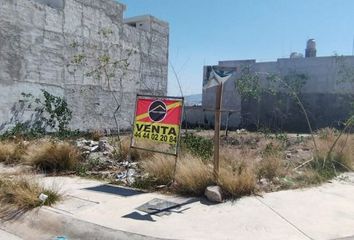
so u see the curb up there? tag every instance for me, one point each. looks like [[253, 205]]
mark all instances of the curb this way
[[47, 224]]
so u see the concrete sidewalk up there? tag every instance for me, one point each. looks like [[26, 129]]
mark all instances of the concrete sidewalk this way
[[94, 210]]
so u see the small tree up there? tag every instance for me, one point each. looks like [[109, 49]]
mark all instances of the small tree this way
[[248, 84], [292, 85], [102, 64], [255, 85]]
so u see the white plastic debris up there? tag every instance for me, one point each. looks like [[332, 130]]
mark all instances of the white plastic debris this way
[[43, 197], [121, 175]]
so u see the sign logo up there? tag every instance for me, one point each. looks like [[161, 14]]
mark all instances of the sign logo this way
[[157, 111]]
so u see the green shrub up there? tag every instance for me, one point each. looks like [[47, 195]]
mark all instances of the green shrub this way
[[198, 146]]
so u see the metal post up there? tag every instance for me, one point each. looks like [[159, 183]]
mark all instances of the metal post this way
[[217, 130]]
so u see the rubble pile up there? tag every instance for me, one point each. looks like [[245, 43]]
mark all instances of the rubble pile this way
[[102, 161]]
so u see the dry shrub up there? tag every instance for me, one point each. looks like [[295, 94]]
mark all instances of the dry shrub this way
[[271, 165], [192, 175], [237, 183], [237, 177], [11, 152], [230, 156], [308, 177], [271, 146], [123, 148], [160, 169], [340, 159], [327, 133], [20, 194], [96, 135], [51, 156]]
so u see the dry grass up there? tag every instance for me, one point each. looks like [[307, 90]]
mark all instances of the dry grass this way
[[230, 155], [238, 173], [20, 194], [192, 175], [11, 153], [96, 135], [160, 169], [244, 158], [237, 176], [308, 177], [51, 156], [341, 158], [123, 149], [324, 166], [272, 163], [237, 183], [270, 166]]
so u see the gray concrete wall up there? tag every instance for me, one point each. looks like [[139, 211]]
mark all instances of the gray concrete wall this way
[[37, 46], [326, 97], [198, 117], [194, 117]]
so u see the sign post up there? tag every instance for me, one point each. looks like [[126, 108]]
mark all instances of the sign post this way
[[218, 100]]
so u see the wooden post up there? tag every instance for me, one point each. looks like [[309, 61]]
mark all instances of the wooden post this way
[[218, 99]]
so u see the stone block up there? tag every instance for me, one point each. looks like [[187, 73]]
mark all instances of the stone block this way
[[214, 194]]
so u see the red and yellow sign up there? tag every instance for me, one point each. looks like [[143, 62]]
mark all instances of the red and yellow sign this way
[[158, 119]]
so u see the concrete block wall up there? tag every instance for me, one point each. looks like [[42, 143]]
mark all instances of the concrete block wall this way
[[325, 96], [39, 38]]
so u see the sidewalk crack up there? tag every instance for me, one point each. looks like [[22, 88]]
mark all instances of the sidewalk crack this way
[[293, 225]]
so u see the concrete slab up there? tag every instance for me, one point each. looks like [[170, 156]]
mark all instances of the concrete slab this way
[[325, 212], [246, 218]]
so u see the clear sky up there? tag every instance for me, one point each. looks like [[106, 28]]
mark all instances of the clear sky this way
[[202, 32]]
